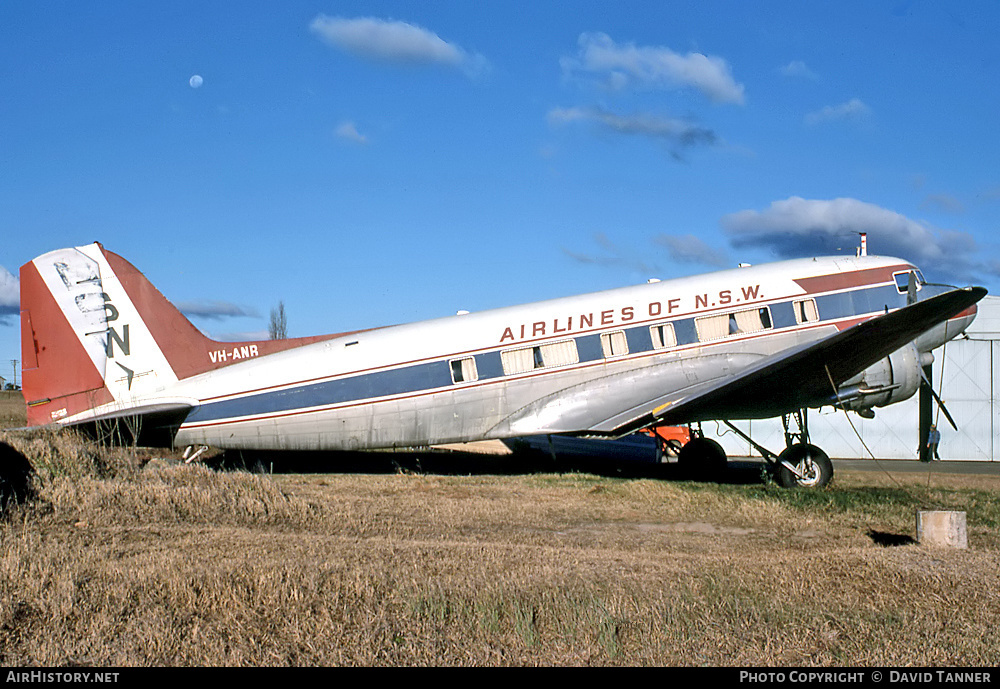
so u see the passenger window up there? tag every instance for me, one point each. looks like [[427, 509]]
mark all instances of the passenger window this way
[[518, 360], [559, 353], [614, 344], [724, 325], [805, 311], [541, 356], [464, 370], [712, 327], [663, 336], [752, 320]]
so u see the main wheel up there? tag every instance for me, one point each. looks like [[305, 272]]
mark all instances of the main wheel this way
[[812, 464], [702, 458]]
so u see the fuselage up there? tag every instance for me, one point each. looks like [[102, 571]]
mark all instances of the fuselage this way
[[513, 371]]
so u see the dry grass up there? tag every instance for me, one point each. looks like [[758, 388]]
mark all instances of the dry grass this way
[[12, 411], [179, 565]]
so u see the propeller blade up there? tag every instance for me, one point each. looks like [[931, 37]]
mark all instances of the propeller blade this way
[[940, 402], [911, 289]]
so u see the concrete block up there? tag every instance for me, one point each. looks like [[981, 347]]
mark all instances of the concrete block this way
[[941, 528]]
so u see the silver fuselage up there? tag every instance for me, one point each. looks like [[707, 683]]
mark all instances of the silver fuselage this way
[[547, 367]]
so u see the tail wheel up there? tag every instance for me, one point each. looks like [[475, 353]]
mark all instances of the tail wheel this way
[[813, 468], [702, 458]]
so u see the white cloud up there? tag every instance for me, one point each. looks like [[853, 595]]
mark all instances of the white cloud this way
[[679, 133], [797, 227], [394, 42], [348, 131], [613, 256], [853, 109], [248, 336], [798, 69], [628, 65], [691, 249], [943, 202], [990, 193], [215, 310], [10, 295]]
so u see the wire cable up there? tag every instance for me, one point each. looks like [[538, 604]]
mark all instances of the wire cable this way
[[871, 454]]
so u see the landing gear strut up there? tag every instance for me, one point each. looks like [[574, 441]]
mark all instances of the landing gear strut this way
[[800, 463]]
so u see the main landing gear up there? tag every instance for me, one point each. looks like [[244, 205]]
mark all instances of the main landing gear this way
[[702, 458], [800, 463]]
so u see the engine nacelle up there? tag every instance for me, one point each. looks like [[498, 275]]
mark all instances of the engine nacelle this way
[[893, 379]]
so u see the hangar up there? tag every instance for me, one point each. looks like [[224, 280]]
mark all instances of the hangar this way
[[965, 375]]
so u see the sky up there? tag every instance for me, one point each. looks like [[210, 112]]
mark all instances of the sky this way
[[370, 163]]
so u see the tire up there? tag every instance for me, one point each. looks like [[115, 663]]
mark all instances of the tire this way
[[703, 459], [815, 473]]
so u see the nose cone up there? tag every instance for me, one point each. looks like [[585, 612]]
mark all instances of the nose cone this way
[[959, 323], [948, 330]]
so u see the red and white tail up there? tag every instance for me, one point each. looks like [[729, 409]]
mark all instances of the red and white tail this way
[[99, 341]]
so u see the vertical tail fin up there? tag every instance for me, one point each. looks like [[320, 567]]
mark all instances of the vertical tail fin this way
[[99, 340], [86, 349]]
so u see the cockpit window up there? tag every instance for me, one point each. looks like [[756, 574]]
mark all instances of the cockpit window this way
[[903, 280]]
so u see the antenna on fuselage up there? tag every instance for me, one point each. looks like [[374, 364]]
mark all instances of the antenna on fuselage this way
[[863, 249]]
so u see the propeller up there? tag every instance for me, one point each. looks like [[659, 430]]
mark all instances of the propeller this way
[[937, 398]]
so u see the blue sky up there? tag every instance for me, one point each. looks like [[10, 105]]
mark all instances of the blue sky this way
[[370, 163]]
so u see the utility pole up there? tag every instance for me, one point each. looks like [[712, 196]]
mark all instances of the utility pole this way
[[13, 362]]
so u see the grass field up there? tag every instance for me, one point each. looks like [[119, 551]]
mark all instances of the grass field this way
[[125, 562], [12, 413]]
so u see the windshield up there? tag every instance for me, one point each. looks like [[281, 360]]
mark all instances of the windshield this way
[[903, 280]]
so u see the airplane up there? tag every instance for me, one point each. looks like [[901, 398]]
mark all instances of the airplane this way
[[101, 345]]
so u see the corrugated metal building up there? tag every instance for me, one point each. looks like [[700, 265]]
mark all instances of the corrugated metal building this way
[[965, 375]]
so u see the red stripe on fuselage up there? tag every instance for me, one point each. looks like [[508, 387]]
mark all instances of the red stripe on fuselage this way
[[868, 277]]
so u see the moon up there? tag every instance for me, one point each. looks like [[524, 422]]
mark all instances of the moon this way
[[196, 81]]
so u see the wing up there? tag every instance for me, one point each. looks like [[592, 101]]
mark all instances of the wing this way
[[733, 385]]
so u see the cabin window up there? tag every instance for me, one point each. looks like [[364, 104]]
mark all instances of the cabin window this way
[[712, 327], [663, 336], [518, 360], [614, 344], [527, 359], [751, 320], [559, 353], [805, 311], [464, 370], [724, 325]]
